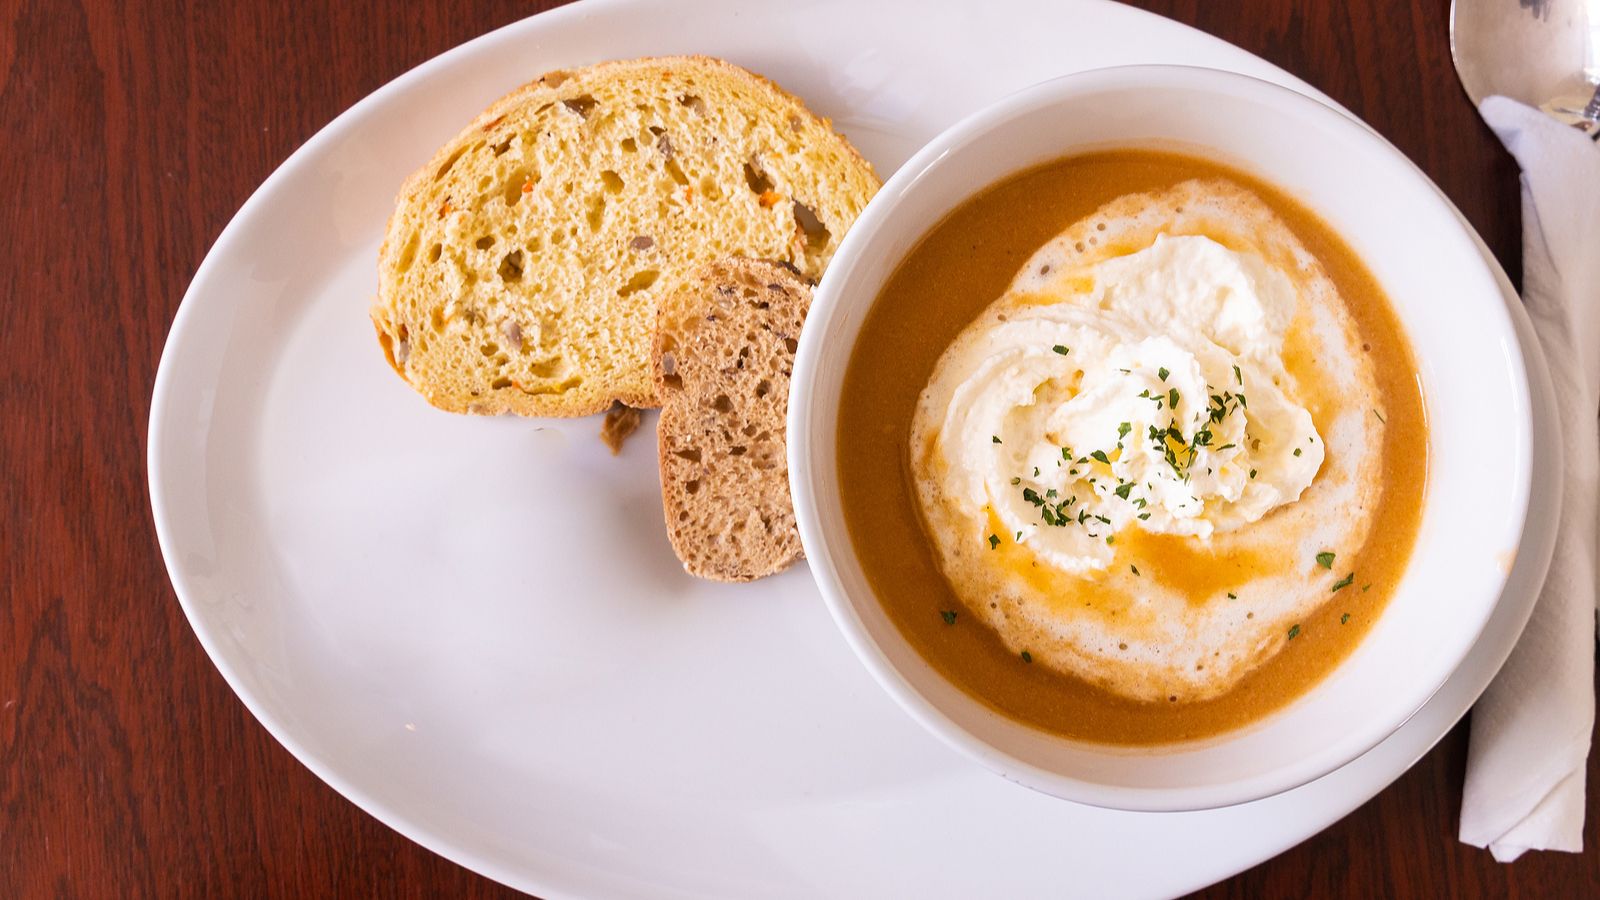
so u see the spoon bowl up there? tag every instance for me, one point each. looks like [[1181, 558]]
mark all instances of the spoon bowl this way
[[1545, 53]]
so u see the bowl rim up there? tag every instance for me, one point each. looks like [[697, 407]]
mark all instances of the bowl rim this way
[[821, 549]]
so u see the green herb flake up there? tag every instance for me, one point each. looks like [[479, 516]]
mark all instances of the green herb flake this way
[[1061, 349], [1294, 632], [1134, 568], [1016, 481], [1111, 539], [1123, 429], [1325, 559], [1100, 455], [994, 541], [1344, 619], [1380, 417], [1163, 373], [1232, 596], [1027, 657], [1172, 398], [1343, 583], [1123, 489], [1297, 451], [1237, 376], [1252, 473], [1143, 516], [949, 616], [995, 438]]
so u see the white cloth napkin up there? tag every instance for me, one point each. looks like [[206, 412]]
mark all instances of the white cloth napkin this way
[[1530, 731]]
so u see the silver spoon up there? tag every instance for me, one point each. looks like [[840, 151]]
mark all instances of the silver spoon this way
[[1545, 53]]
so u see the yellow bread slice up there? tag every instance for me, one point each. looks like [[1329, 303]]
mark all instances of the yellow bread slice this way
[[523, 264]]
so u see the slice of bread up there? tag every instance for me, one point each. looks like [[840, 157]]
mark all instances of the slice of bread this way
[[724, 351], [522, 266]]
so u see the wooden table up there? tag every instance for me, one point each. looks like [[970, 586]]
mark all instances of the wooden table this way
[[131, 133]]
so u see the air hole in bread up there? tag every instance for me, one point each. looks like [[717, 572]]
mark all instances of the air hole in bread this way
[[629, 145], [722, 404], [756, 179], [691, 455], [554, 79], [611, 181], [737, 450], [408, 254], [816, 233], [547, 368], [691, 486], [489, 348], [511, 267], [449, 162], [790, 344], [519, 182], [710, 189], [500, 383], [580, 104], [435, 252], [501, 148], [693, 102], [763, 388], [640, 281], [597, 212], [676, 172]]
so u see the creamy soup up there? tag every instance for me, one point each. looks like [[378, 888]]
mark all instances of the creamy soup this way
[[1132, 448]]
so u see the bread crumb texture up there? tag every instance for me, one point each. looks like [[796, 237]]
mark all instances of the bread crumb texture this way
[[725, 347], [523, 264]]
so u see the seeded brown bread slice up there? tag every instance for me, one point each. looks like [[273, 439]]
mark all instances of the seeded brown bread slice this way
[[523, 264], [724, 351]]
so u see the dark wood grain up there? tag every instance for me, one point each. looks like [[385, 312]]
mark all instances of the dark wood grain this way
[[129, 134]]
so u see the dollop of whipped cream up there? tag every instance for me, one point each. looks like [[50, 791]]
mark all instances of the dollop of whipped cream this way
[[1150, 394]]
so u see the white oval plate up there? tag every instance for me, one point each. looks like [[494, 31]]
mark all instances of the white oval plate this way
[[475, 628]]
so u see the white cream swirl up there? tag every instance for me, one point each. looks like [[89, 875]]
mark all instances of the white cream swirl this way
[[1153, 398]]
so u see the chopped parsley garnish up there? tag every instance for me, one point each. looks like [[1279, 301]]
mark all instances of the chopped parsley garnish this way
[[1134, 568], [1297, 451], [1172, 398], [1123, 489], [1380, 417], [1163, 373], [1237, 376], [1122, 430], [1143, 516], [1325, 559], [1027, 657], [1066, 453], [1111, 539], [1101, 456], [949, 616], [1016, 481], [1252, 473], [994, 541], [1232, 596], [1343, 583], [1294, 632], [1226, 447], [1061, 349], [995, 438], [1344, 619]]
